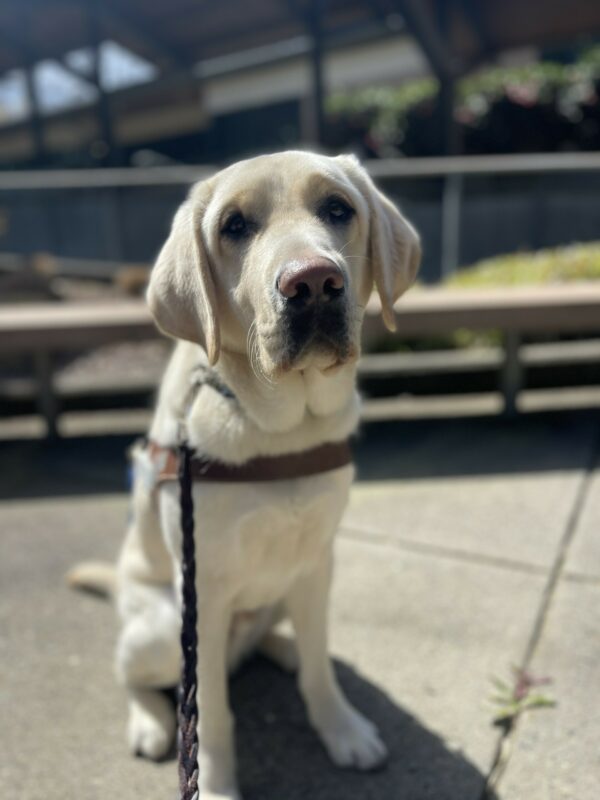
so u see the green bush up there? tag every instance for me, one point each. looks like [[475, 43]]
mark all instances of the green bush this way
[[546, 106], [577, 262]]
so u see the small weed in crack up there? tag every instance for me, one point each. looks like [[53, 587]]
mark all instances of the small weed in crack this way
[[512, 699]]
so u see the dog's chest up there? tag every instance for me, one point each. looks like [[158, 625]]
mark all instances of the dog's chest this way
[[254, 540]]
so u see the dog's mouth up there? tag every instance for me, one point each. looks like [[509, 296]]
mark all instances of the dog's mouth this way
[[318, 336], [320, 330]]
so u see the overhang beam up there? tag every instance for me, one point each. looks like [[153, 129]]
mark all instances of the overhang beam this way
[[25, 60], [421, 25], [472, 12], [136, 29]]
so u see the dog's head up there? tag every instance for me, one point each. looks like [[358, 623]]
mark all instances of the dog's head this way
[[276, 257]]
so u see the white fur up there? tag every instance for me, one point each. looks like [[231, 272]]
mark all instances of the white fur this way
[[263, 550]]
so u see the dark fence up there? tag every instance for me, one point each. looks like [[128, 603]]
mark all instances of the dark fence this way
[[465, 208]]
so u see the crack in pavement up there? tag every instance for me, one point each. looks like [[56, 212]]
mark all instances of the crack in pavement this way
[[368, 536], [579, 577], [507, 736]]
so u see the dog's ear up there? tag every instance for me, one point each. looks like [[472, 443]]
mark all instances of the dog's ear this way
[[181, 293], [394, 248]]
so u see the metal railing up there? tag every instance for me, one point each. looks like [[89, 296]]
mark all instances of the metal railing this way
[[536, 200], [386, 168]]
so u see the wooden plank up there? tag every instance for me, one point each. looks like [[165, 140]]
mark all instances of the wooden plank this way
[[475, 359], [563, 308], [478, 404], [97, 385], [72, 326], [423, 407], [79, 325], [70, 266], [556, 354], [372, 365]]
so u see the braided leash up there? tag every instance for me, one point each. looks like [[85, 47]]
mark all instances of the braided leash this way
[[188, 708], [321, 459]]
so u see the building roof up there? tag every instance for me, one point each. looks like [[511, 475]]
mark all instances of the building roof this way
[[179, 33], [186, 40], [172, 34]]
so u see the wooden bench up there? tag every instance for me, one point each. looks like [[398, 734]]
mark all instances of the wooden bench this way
[[44, 329], [565, 308]]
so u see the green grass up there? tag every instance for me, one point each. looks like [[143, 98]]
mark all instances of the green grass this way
[[577, 262]]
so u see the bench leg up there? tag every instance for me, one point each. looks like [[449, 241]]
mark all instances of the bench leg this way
[[46, 397], [512, 373]]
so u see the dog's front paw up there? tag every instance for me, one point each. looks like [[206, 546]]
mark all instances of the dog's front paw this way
[[151, 729], [352, 740]]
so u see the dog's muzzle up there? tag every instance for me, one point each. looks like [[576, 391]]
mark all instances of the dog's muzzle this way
[[314, 310]]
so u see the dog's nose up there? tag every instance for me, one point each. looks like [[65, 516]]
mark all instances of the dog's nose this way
[[311, 280]]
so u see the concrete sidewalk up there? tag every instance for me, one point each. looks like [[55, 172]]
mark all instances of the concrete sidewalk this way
[[469, 546]]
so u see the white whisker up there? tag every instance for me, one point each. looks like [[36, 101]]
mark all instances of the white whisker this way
[[253, 351], [344, 246]]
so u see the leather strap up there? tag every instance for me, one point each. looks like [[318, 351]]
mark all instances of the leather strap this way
[[319, 459]]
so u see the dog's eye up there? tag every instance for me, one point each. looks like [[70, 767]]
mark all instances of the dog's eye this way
[[336, 211], [236, 226]]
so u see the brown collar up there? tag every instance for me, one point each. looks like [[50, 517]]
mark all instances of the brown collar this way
[[319, 459]]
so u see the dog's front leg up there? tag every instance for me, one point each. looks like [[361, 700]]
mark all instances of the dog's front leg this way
[[350, 739], [216, 757]]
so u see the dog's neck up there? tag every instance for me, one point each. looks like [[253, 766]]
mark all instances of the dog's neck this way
[[280, 405], [297, 412]]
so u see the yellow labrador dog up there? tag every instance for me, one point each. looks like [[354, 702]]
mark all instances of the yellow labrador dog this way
[[264, 280]]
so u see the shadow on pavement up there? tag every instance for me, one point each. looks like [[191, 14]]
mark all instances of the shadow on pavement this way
[[73, 466], [442, 448], [280, 756], [407, 449]]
